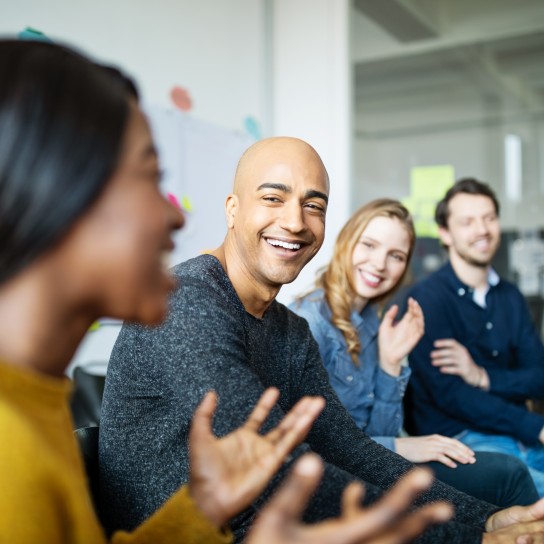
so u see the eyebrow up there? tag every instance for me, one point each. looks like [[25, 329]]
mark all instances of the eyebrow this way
[[363, 236], [311, 193]]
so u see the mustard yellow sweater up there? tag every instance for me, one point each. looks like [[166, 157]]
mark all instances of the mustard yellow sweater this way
[[44, 498]]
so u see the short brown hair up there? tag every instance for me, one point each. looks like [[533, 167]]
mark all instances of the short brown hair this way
[[469, 186]]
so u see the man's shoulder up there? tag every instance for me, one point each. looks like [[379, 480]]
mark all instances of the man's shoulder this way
[[201, 280], [204, 267], [202, 297], [312, 303], [509, 287]]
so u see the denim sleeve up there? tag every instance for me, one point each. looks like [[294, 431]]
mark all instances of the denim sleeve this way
[[386, 416], [386, 441]]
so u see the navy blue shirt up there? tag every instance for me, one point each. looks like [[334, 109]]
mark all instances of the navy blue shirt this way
[[500, 337]]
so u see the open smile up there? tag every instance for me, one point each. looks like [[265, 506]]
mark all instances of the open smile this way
[[291, 246], [370, 279], [483, 244]]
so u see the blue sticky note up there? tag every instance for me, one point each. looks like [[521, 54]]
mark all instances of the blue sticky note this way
[[32, 34], [252, 128]]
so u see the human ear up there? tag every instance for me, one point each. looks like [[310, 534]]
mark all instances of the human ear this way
[[445, 237], [231, 207]]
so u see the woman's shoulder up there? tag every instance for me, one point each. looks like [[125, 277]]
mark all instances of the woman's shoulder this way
[[313, 302], [313, 307]]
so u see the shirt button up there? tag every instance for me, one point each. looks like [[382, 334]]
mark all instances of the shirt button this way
[[371, 395], [460, 291], [489, 325], [349, 378], [494, 353]]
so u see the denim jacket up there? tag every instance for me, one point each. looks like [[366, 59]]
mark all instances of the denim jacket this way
[[372, 396]]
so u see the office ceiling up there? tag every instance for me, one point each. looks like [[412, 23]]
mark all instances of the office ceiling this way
[[408, 54]]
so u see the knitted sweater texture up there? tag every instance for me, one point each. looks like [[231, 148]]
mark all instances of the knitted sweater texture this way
[[157, 377]]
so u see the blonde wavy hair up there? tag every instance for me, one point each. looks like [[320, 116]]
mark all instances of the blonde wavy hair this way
[[337, 279]]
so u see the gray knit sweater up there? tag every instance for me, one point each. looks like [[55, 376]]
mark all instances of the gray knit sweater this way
[[157, 376]]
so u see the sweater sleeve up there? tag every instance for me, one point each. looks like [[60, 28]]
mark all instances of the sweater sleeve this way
[[156, 378], [478, 409], [179, 520]]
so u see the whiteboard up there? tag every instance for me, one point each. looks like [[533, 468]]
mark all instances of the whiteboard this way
[[199, 161]]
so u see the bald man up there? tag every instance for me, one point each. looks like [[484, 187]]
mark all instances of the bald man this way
[[227, 332]]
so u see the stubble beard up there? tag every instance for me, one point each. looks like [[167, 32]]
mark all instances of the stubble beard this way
[[479, 263]]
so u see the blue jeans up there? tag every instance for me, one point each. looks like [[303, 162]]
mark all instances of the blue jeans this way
[[532, 456]]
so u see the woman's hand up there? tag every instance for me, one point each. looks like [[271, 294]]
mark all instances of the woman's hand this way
[[396, 340], [228, 473], [422, 449], [386, 522]]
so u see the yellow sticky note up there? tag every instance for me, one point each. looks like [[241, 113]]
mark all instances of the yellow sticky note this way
[[428, 184], [187, 204]]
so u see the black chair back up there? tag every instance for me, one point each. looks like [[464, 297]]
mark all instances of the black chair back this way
[[87, 438], [86, 401]]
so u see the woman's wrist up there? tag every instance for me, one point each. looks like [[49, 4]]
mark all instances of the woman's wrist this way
[[391, 367]]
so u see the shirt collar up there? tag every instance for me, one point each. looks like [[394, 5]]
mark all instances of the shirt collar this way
[[492, 277], [368, 318], [462, 288]]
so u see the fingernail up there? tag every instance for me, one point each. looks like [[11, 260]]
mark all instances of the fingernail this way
[[308, 465]]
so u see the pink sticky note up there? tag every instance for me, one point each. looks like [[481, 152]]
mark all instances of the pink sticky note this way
[[181, 98], [173, 200]]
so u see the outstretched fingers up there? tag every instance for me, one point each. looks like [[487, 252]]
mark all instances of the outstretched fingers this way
[[262, 409], [296, 424], [415, 523], [201, 425], [289, 502], [397, 501], [390, 315]]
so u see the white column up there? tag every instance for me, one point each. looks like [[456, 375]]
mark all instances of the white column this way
[[311, 99]]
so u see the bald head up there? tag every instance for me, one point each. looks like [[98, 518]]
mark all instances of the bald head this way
[[278, 153], [275, 218]]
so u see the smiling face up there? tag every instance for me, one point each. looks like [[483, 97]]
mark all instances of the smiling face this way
[[473, 232], [379, 258], [276, 216], [119, 245]]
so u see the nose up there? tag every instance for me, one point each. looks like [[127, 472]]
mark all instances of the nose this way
[[175, 215], [481, 226], [292, 218], [379, 259]]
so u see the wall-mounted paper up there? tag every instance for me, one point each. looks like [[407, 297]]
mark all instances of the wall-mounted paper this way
[[428, 184]]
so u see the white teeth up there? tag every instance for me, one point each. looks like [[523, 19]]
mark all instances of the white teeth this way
[[371, 277], [286, 245]]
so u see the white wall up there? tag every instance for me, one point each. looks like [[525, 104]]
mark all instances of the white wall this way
[[214, 48], [283, 62]]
